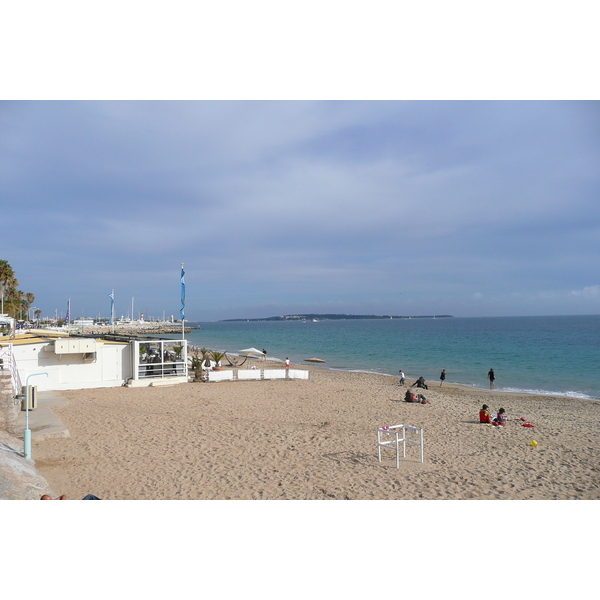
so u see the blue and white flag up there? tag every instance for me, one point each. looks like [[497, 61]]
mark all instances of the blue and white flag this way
[[182, 309], [112, 305]]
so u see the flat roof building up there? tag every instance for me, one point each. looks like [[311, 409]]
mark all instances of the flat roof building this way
[[80, 361]]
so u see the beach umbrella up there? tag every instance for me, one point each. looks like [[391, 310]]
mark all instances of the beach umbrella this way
[[315, 360], [249, 351]]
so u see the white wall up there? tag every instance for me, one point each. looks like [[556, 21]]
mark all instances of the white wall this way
[[111, 368]]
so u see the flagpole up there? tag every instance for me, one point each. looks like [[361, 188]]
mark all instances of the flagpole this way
[[182, 311]]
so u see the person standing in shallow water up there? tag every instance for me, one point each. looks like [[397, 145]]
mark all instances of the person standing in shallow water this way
[[492, 378], [442, 377]]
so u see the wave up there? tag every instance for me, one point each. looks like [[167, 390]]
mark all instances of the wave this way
[[568, 393], [510, 390]]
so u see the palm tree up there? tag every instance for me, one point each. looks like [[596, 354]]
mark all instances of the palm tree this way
[[217, 357], [8, 282], [15, 302], [27, 301], [7, 275]]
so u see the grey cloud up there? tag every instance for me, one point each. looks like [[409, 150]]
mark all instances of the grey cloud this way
[[456, 198]]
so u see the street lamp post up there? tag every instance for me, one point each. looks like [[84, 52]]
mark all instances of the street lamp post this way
[[27, 432]]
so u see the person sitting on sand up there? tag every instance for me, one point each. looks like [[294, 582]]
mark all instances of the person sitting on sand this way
[[484, 414], [410, 397], [420, 383], [500, 417]]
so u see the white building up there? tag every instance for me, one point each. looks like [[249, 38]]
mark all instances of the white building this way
[[84, 321], [78, 362]]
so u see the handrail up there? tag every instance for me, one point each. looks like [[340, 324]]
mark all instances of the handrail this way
[[6, 352]]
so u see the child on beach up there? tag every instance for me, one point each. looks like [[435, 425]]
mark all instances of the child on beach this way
[[484, 414], [402, 378], [500, 418]]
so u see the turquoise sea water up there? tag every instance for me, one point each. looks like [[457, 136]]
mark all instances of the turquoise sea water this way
[[551, 355]]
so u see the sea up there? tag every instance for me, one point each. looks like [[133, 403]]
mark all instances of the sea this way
[[554, 355]]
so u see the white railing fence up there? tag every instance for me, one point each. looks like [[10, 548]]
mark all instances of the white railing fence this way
[[8, 361]]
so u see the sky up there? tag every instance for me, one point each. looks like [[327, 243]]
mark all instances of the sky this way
[[468, 208]]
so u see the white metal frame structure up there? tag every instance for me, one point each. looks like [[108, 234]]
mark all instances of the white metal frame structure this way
[[390, 438], [159, 358]]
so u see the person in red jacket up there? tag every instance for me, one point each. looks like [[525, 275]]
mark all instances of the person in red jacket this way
[[484, 414]]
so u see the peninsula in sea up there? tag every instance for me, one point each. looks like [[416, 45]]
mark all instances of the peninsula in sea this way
[[339, 317]]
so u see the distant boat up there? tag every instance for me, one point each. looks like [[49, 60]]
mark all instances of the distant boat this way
[[315, 320]]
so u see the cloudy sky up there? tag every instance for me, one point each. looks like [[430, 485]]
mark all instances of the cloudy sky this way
[[469, 208]]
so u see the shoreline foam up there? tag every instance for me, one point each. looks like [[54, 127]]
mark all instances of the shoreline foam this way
[[471, 386]]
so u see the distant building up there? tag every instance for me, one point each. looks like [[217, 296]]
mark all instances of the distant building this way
[[84, 322], [7, 324]]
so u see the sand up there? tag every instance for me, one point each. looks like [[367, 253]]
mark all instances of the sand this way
[[316, 439]]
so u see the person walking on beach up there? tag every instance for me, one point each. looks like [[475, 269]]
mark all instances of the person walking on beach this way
[[264, 353], [402, 378], [492, 378], [287, 363], [442, 377]]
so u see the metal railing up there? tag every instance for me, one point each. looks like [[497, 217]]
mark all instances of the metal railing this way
[[166, 369], [7, 359]]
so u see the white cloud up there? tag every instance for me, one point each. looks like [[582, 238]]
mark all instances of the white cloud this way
[[587, 292]]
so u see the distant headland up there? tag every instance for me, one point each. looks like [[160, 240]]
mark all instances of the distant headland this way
[[339, 317]]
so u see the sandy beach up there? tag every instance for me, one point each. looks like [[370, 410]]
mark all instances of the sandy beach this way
[[316, 439]]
